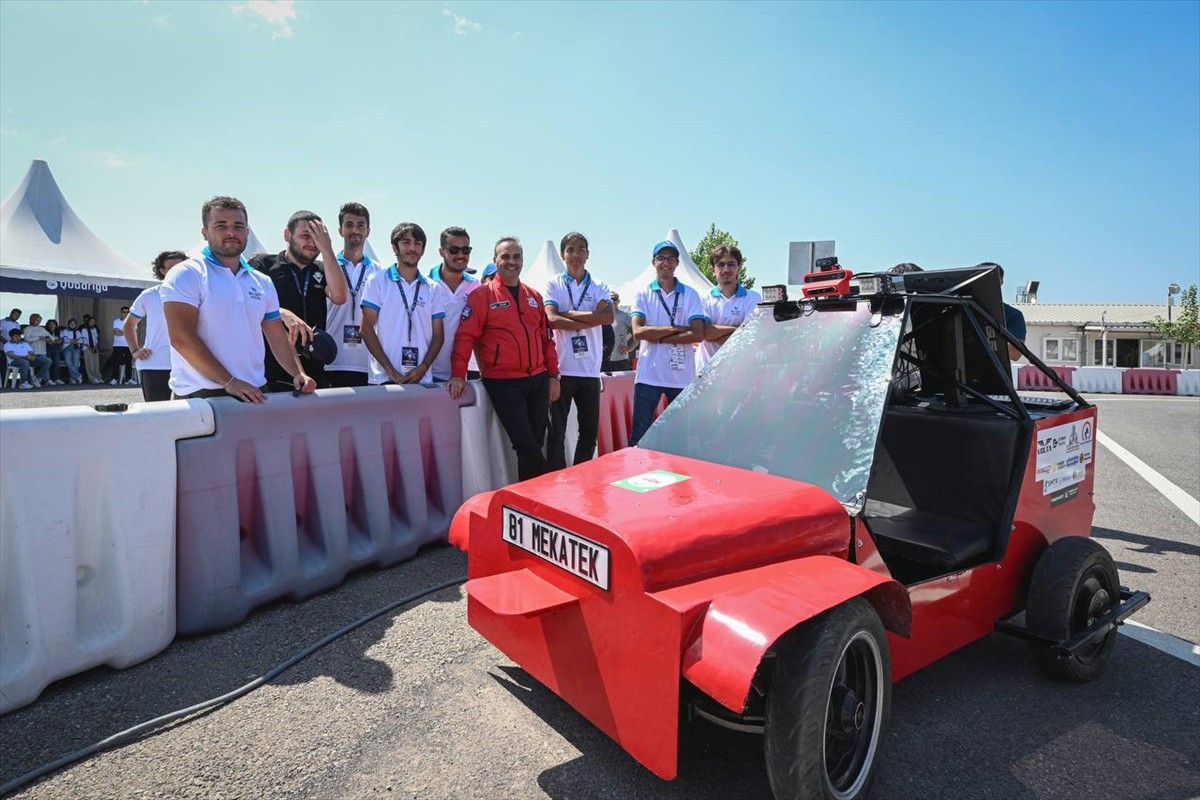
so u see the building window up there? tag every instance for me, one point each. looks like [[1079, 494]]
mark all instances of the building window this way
[[1060, 350], [1109, 358], [1161, 353]]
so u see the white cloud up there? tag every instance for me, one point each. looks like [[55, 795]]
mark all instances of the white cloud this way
[[517, 35], [58, 140], [114, 160], [462, 25], [8, 132], [276, 13], [161, 21]]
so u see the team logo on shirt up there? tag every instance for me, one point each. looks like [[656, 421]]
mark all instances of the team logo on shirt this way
[[466, 314], [255, 293], [532, 302], [501, 304], [318, 277]]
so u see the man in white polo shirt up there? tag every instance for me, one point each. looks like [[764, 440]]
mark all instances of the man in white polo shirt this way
[[577, 305], [154, 352], [344, 321], [667, 319], [219, 310], [728, 305], [403, 313], [455, 275]]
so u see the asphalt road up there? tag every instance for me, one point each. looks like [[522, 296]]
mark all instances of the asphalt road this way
[[416, 705]]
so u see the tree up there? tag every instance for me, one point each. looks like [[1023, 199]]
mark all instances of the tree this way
[[1185, 327], [714, 237]]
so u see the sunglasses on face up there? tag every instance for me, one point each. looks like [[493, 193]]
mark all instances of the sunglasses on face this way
[[455, 249]]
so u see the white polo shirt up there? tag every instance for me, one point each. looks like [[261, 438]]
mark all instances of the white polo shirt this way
[[669, 365], [724, 311], [118, 332], [406, 314], [148, 306], [232, 308], [580, 353], [457, 302], [344, 322]]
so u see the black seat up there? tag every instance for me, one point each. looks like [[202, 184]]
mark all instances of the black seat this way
[[921, 537]]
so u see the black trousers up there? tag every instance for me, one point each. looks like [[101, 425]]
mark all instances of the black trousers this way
[[585, 392], [344, 377], [154, 384], [522, 404], [119, 357]]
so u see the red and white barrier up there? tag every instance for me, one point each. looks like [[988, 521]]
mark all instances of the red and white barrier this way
[[1030, 378], [1097, 380], [1150, 381]]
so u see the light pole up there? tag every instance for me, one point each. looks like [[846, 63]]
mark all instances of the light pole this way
[[1172, 289]]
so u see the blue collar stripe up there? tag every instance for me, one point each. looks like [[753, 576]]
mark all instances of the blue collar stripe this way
[[210, 258]]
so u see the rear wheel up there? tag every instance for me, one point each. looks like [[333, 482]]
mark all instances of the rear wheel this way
[[1074, 583], [827, 711]]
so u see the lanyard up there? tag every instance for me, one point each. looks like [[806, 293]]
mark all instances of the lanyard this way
[[362, 275], [409, 310], [303, 291], [674, 308], [587, 281]]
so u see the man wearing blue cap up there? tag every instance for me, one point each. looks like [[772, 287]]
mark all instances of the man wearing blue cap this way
[[667, 320]]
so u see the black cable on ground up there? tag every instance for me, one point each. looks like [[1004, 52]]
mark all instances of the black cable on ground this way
[[129, 733]]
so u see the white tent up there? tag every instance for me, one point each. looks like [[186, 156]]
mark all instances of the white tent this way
[[45, 248], [686, 273], [546, 267]]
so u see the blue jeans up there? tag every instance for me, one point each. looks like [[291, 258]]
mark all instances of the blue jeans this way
[[72, 355], [26, 366], [645, 402], [54, 352]]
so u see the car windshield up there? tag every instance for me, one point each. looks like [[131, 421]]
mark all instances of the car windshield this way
[[802, 398]]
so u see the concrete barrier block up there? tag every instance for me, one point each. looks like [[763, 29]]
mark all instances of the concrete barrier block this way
[[1149, 380], [289, 497], [87, 539], [1097, 380], [1188, 383]]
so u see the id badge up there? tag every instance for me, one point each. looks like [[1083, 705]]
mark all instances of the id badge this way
[[579, 346], [677, 356], [351, 335], [408, 357]]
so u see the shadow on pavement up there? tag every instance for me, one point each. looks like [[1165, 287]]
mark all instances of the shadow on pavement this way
[[982, 723], [78, 711]]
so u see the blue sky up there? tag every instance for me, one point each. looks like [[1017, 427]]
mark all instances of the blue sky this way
[[1061, 140]]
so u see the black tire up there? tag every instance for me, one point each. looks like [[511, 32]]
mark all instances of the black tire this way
[[1074, 582], [828, 707]]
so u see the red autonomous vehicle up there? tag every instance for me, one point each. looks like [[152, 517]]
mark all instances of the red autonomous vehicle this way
[[851, 490]]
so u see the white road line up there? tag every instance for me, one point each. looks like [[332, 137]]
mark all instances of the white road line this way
[[1165, 642], [1182, 500]]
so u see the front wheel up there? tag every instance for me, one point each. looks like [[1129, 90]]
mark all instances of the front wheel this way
[[827, 711], [1074, 583]]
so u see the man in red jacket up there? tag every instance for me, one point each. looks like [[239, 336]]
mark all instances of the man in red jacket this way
[[504, 323]]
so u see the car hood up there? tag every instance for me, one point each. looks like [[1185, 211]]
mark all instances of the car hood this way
[[684, 519]]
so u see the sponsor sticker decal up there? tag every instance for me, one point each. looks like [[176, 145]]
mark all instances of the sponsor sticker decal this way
[[649, 481], [1063, 455]]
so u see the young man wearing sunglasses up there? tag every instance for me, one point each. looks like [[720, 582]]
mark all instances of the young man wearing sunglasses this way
[[455, 274]]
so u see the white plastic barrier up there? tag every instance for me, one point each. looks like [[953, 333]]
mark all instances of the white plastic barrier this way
[[1015, 370], [1097, 380], [87, 539], [488, 460], [1188, 383]]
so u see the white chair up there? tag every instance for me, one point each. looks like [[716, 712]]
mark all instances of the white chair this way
[[13, 377]]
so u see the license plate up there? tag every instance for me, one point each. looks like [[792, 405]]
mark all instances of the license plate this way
[[568, 551]]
